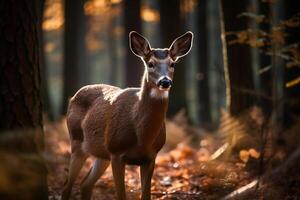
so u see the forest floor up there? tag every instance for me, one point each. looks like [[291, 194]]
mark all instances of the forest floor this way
[[181, 171]]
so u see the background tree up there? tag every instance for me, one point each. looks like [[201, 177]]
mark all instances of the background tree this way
[[75, 64], [170, 26], [292, 102], [132, 22], [278, 68], [47, 107], [112, 45], [20, 102], [203, 71], [239, 62]]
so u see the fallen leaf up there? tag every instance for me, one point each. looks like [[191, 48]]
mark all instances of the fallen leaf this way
[[244, 155]]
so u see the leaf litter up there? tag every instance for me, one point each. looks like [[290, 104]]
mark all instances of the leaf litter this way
[[181, 173]]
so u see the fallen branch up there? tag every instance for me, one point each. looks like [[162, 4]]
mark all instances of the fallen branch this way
[[243, 191], [290, 165]]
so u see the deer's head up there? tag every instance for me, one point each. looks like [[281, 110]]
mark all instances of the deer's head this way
[[160, 63]]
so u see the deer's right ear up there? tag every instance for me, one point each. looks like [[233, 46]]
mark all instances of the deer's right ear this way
[[138, 44]]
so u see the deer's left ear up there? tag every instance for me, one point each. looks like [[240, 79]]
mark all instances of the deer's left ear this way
[[181, 45], [138, 44]]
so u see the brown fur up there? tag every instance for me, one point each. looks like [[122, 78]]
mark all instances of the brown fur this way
[[123, 126], [106, 119]]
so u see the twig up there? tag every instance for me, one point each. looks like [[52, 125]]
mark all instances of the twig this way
[[251, 92], [290, 164], [225, 60], [176, 193], [237, 194], [287, 47], [264, 140], [220, 151], [264, 69]]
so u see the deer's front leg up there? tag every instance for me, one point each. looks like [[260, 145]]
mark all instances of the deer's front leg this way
[[146, 171], [118, 168]]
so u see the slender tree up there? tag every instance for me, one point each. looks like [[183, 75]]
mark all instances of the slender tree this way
[[292, 93], [202, 43], [75, 66], [278, 68], [265, 86], [47, 107], [112, 46], [20, 102], [239, 62], [216, 65], [170, 23], [132, 22]]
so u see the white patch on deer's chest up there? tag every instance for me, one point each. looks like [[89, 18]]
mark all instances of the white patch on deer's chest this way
[[159, 94]]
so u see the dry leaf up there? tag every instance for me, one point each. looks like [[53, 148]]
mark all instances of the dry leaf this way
[[254, 154], [244, 155]]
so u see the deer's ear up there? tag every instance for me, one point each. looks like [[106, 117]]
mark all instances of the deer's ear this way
[[138, 44], [181, 45]]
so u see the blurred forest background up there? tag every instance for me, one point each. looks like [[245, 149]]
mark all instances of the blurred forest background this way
[[234, 112], [250, 46]]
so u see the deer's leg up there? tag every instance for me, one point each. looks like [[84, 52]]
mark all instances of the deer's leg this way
[[99, 167], [118, 168], [146, 171], [76, 163]]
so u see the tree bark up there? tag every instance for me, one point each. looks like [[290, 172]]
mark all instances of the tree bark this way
[[112, 48], [292, 107], [170, 16], [132, 22], [20, 103], [239, 62], [265, 61], [47, 107], [202, 44], [75, 65]]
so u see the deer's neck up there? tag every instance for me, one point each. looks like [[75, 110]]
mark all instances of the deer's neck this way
[[152, 108]]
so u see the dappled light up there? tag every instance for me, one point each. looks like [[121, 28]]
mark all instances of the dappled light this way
[[182, 172], [150, 15], [53, 15], [149, 99]]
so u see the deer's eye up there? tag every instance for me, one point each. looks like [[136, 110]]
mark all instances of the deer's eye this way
[[172, 65], [150, 65]]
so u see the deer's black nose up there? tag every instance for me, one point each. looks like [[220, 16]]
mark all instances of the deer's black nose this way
[[165, 83]]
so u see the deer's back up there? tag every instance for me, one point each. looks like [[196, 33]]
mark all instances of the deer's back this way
[[98, 114], [82, 102], [108, 125]]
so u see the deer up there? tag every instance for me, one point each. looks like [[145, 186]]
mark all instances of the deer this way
[[123, 126]]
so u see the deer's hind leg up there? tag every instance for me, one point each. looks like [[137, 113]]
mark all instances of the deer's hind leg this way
[[99, 167], [77, 160]]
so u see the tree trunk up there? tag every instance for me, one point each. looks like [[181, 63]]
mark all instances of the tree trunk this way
[[170, 16], [202, 44], [239, 62], [134, 68], [20, 104], [47, 107], [278, 68], [75, 65], [215, 63], [292, 105], [112, 48]]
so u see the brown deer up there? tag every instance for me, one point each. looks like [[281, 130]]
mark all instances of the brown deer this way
[[123, 126]]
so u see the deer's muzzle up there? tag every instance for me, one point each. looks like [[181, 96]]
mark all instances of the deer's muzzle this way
[[165, 83]]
